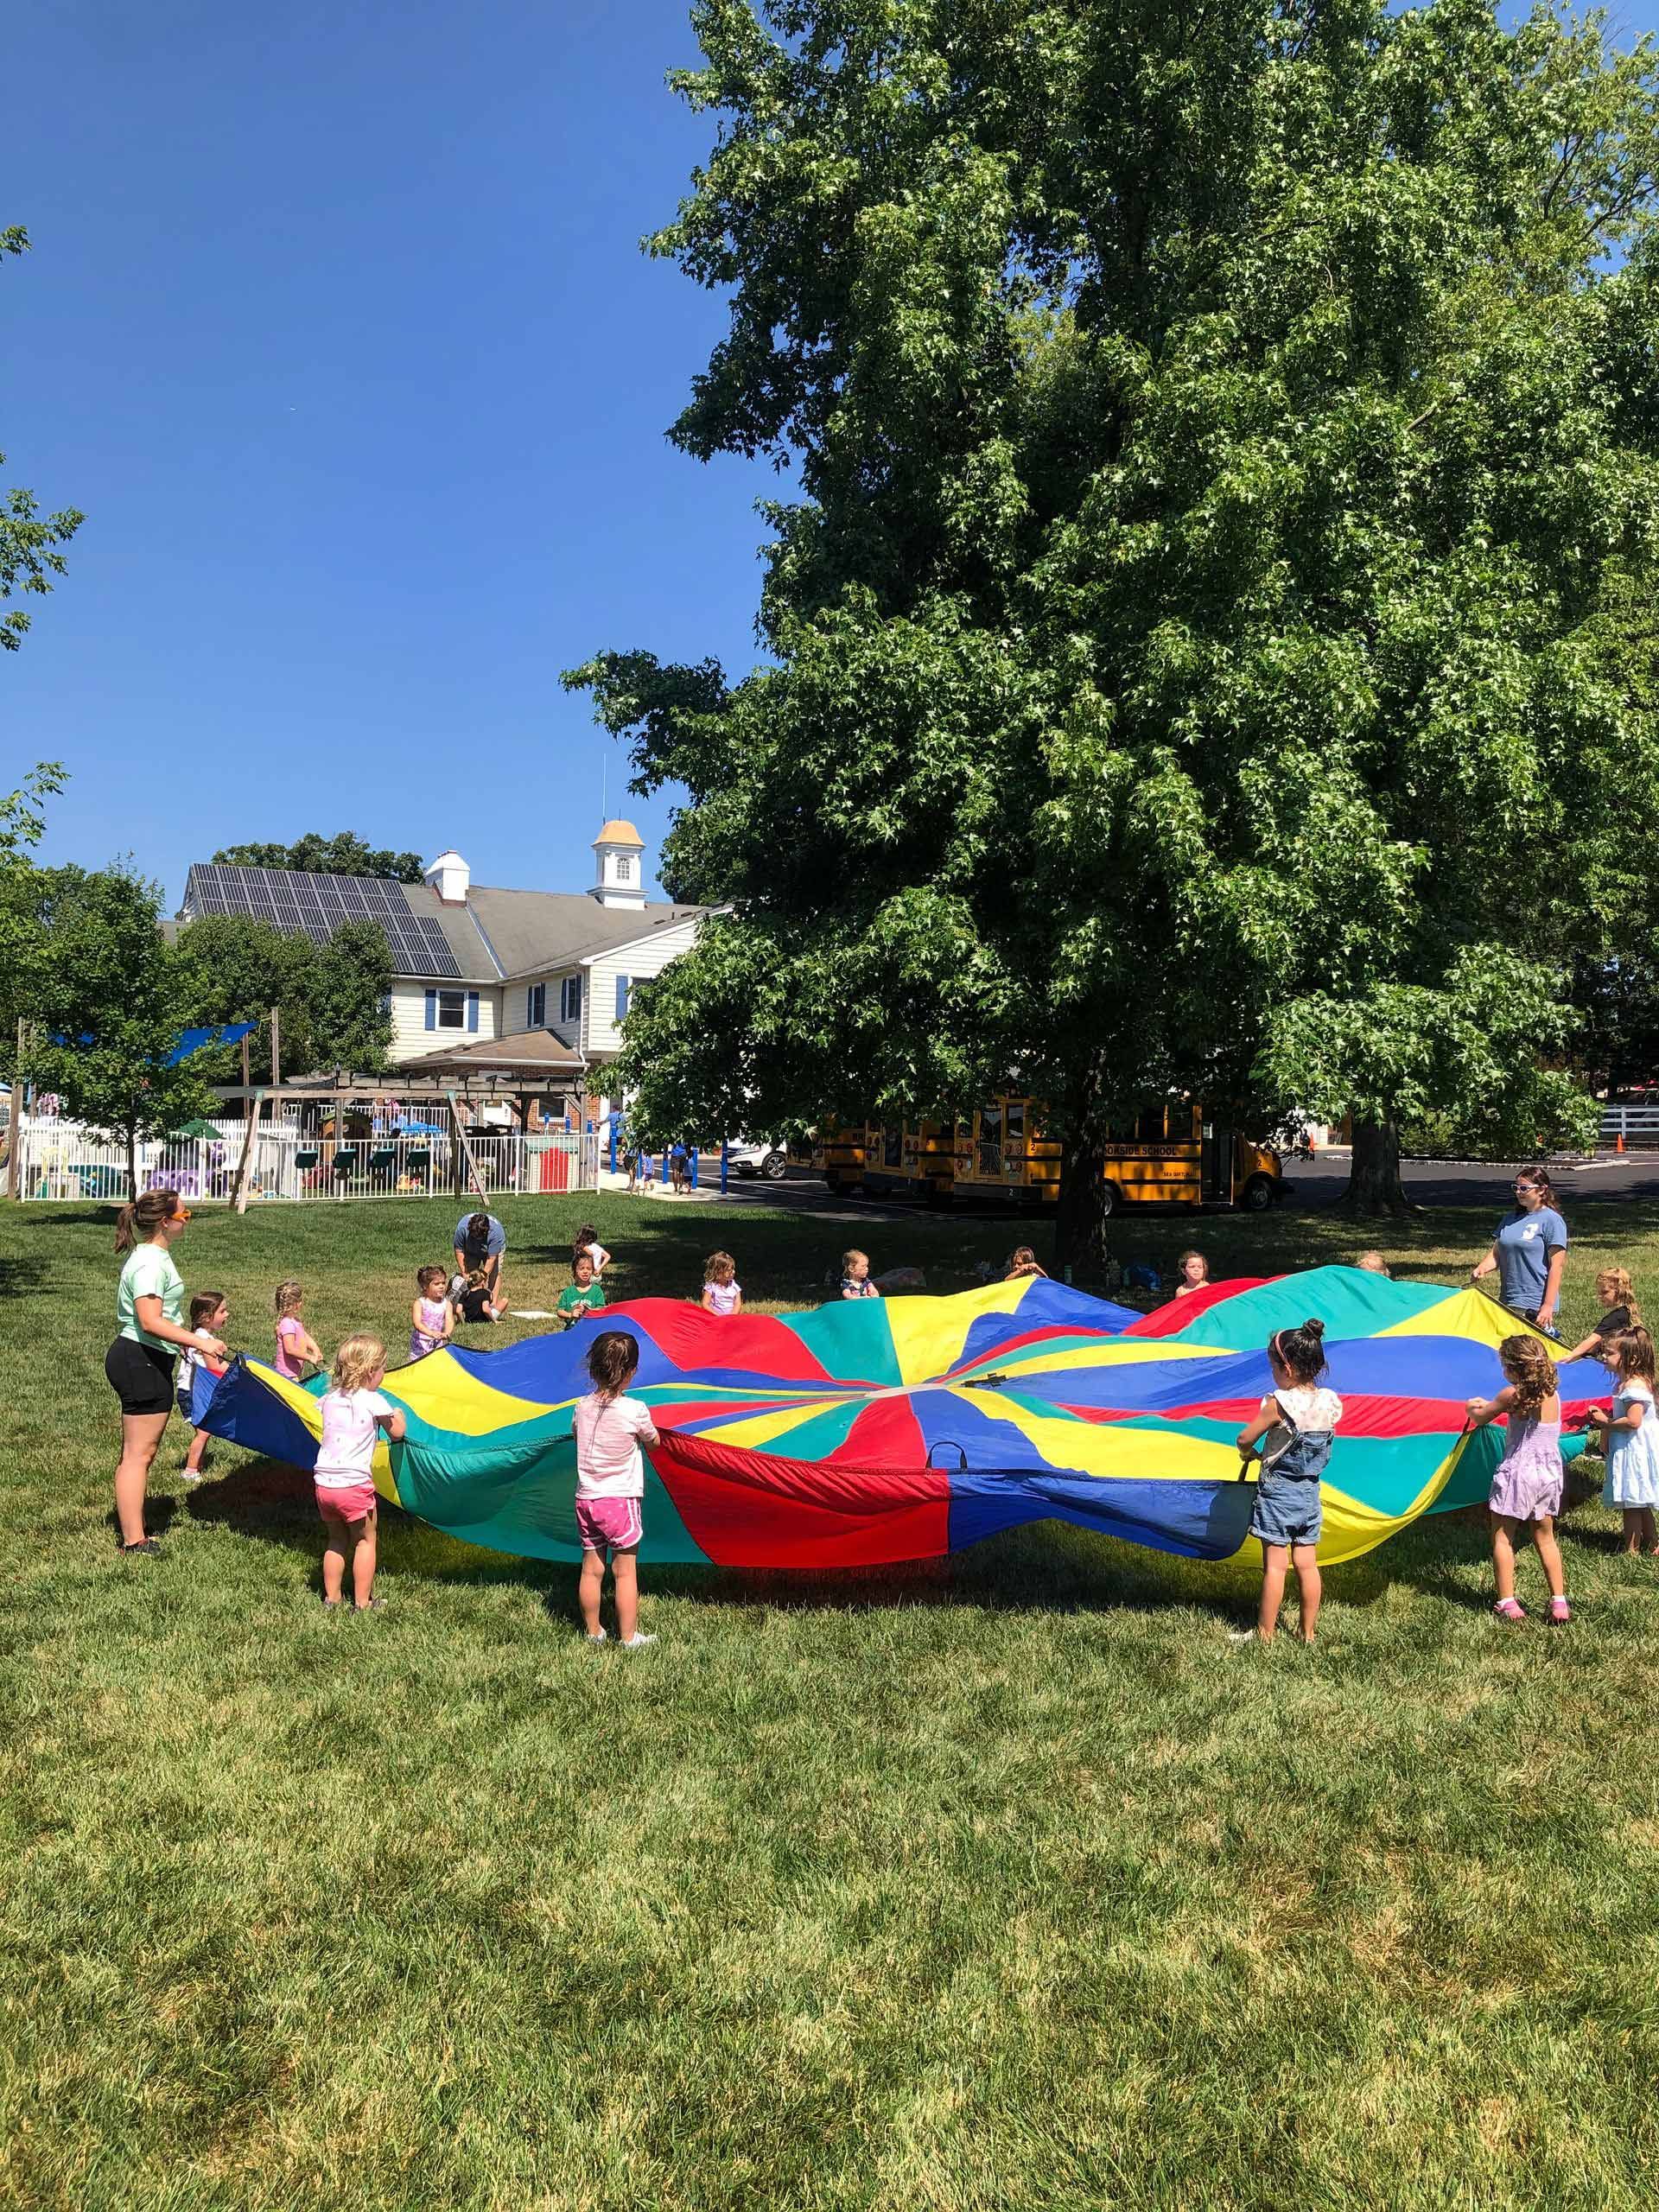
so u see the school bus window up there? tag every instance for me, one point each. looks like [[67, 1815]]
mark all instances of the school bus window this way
[[891, 1142], [1149, 1129], [1014, 1132]]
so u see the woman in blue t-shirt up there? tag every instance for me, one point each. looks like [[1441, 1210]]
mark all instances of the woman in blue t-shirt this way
[[1528, 1252]]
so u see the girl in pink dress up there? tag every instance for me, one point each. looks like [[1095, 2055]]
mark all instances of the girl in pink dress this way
[[1527, 1487], [721, 1290], [294, 1343]]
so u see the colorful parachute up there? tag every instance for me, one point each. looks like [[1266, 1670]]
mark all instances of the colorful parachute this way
[[905, 1428]]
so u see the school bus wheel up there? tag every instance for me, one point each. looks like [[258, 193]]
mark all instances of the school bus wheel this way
[[1110, 1197], [1258, 1193]]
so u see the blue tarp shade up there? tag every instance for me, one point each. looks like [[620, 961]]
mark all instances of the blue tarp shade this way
[[195, 1041], [192, 1041]]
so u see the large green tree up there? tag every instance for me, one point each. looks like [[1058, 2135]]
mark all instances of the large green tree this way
[[232, 970], [351, 1001], [105, 1018], [1226, 450], [344, 854]]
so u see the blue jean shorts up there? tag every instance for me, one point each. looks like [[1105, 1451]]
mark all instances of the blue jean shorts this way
[[1288, 1511]]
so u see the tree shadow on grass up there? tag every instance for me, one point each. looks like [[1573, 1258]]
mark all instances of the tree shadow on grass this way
[[22, 1278]]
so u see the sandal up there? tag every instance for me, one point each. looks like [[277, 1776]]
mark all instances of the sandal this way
[[143, 1544], [1559, 1612], [1509, 1609]]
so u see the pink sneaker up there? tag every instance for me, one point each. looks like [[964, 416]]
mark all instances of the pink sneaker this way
[[1509, 1609], [1559, 1612]]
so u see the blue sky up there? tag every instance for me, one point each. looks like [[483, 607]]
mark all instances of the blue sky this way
[[336, 329]]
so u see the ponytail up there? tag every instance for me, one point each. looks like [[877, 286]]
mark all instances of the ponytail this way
[[138, 1223]]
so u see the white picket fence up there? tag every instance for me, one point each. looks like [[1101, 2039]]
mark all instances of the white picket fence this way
[[62, 1160], [1637, 1125]]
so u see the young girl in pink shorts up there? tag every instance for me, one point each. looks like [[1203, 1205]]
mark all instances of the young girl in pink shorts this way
[[611, 1484], [353, 1413]]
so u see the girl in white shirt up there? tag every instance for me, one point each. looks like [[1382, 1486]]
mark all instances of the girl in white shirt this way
[[354, 1413], [610, 1427]]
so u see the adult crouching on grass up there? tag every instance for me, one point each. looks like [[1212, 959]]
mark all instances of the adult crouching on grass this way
[[1528, 1252], [149, 1307]]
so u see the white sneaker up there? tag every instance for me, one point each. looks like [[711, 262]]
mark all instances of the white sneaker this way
[[1243, 1636], [598, 1637], [636, 1642]]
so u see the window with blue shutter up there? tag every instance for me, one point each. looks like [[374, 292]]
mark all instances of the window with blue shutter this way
[[472, 1009], [570, 999], [431, 1009], [622, 983]]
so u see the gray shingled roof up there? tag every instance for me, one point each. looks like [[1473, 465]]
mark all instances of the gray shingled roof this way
[[535, 930]]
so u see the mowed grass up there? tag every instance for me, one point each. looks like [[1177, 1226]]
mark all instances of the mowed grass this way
[[1004, 1883]]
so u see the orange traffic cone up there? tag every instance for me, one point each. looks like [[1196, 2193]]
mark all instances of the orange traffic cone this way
[[1619, 1147]]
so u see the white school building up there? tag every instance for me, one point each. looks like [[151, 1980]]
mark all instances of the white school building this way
[[528, 988]]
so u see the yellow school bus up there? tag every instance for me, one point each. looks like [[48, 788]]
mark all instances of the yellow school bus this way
[[1172, 1154], [838, 1155], [911, 1159]]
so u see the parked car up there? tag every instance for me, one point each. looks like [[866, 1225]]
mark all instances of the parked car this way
[[766, 1157]]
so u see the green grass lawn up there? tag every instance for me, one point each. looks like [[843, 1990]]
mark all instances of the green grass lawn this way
[[1005, 1884]]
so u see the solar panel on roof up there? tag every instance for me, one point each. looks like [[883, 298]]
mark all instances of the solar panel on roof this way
[[316, 906]]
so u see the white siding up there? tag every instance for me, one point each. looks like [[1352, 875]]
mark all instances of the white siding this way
[[409, 1035], [517, 1001], [646, 958]]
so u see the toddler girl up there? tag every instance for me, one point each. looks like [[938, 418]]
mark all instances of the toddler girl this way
[[431, 1323], [1527, 1486], [581, 1295], [721, 1290], [1192, 1273], [1619, 1311], [209, 1310], [1630, 1436], [352, 1411], [1292, 1428], [587, 1240], [294, 1345], [473, 1302], [611, 1484], [855, 1276], [1023, 1260]]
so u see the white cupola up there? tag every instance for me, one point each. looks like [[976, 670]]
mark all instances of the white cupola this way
[[619, 866], [449, 876]]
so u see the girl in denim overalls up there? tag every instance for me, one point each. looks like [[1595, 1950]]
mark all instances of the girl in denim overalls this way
[[1292, 1432]]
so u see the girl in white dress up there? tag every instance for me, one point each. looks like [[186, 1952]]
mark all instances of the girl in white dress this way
[[1630, 1436]]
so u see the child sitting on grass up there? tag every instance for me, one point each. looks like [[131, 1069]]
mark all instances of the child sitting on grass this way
[[431, 1319], [1292, 1432], [295, 1344], [354, 1412], [1191, 1273], [209, 1310], [1023, 1260], [1630, 1437], [610, 1427], [583, 1294], [1372, 1263], [475, 1302], [1527, 1487], [721, 1290], [855, 1276]]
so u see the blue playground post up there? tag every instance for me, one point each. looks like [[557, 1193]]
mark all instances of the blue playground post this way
[[612, 1148], [694, 1167], [725, 1166]]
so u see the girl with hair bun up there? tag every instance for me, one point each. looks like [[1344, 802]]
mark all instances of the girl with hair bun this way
[[150, 1309], [1527, 1487], [1291, 1432]]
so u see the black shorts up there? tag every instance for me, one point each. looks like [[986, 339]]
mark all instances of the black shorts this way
[[141, 1376]]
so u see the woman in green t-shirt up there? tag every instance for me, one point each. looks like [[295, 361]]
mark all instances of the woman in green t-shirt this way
[[149, 1307]]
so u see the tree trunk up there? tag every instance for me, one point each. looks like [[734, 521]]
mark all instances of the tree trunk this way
[[1374, 1185], [1080, 1220]]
